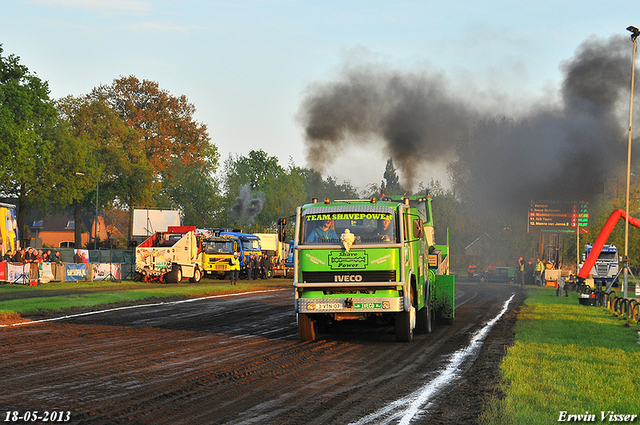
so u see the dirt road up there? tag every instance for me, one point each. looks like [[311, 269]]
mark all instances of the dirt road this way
[[238, 360]]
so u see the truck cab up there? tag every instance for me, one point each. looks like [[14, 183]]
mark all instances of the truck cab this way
[[607, 265], [217, 253]]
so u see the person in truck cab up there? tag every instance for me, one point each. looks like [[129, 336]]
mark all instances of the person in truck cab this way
[[324, 233]]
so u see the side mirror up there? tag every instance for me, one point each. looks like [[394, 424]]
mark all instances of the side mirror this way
[[418, 228], [282, 229]]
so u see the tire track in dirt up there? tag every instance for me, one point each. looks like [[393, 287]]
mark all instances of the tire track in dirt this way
[[229, 361]]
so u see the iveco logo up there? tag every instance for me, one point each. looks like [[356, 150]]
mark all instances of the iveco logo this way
[[347, 278]]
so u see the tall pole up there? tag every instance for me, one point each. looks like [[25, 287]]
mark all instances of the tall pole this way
[[95, 222], [625, 283]]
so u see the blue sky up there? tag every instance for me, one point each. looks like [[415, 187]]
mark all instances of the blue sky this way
[[247, 65]]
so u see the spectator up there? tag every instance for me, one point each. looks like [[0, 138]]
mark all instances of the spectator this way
[[19, 257], [56, 258], [263, 266], [254, 264], [8, 256], [47, 256], [250, 267]]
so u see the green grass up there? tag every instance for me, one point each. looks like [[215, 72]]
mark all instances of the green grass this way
[[54, 296], [567, 357]]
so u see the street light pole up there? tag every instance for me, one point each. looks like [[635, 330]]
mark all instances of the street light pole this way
[[95, 221], [625, 282]]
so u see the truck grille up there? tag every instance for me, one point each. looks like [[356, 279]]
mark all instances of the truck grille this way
[[363, 276]]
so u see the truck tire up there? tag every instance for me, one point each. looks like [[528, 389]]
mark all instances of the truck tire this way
[[423, 318], [174, 276], [404, 330], [197, 275], [306, 328]]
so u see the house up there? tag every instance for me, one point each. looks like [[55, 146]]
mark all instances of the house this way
[[58, 230]]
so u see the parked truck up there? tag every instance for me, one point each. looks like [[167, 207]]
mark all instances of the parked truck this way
[[217, 252], [170, 256], [248, 244], [276, 252], [9, 235], [607, 266], [369, 260]]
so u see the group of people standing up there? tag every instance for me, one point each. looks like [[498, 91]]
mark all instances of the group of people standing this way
[[257, 266], [530, 273], [31, 255]]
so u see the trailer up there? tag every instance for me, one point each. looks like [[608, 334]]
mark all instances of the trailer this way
[[276, 252]]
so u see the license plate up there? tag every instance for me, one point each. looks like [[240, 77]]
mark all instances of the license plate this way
[[328, 306], [367, 306]]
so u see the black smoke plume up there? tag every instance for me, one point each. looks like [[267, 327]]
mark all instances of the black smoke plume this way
[[558, 152], [246, 208]]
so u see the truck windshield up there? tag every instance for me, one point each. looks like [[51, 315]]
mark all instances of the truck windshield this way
[[609, 256], [366, 227], [251, 245], [215, 247]]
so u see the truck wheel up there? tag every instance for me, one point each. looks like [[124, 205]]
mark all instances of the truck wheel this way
[[174, 276], [423, 318], [197, 275], [306, 328], [404, 328]]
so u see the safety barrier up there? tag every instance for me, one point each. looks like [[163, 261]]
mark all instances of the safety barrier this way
[[634, 310], [34, 273], [620, 305]]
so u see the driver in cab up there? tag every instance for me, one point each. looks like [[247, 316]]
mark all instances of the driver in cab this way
[[324, 233]]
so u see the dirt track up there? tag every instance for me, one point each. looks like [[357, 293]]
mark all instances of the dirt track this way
[[238, 360]]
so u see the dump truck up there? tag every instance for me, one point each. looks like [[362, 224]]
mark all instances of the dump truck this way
[[371, 260], [170, 256]]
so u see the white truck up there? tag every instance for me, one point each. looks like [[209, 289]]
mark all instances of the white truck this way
[[607, 266], [276, 251], [170, 256]]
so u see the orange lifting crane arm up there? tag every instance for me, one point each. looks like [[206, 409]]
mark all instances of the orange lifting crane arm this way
[[602, 238]]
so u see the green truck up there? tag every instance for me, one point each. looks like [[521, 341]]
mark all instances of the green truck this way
[[371, 260]]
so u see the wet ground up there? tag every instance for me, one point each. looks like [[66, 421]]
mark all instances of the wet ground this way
[[238, 360]]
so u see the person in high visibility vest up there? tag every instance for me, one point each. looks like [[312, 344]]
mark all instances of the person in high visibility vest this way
[[538, 272], [521, 270], [234, 268]]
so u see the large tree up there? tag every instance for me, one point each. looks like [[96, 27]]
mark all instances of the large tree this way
[[28, 130], [165, 127], [391, 183], [194, 191], [116, 165], [258, 191]]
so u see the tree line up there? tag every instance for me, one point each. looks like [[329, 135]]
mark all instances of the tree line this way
[[140, 146]]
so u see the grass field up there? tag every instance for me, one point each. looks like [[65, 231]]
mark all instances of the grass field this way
[[19, 299], [568, 358]]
